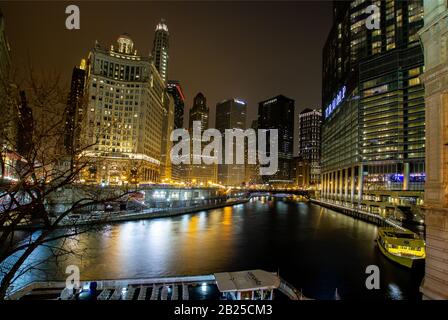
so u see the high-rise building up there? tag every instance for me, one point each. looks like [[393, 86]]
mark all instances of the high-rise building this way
[[199, 112], [434, 39], [200, 173], [373, 127], [75, 108], [230, 114], [8, 104], [5, 59], [252, 174], [175, 90], [301, 172], [122, 124], [278, 113], [160, 49], [166, 172], [25, 127], [310, 122]]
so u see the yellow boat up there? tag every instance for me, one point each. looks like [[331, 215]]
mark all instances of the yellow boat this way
[[403, 247]]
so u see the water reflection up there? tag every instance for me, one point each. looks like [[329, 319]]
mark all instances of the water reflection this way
[[315, 249]]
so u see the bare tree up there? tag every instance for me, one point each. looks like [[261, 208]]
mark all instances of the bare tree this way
[[36, 174]]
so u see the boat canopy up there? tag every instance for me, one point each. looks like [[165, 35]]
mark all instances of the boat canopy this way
[[246, 281]]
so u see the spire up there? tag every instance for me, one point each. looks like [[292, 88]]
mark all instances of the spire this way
[[162, 25], [160, 49]]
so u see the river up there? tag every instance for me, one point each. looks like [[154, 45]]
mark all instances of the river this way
[[314, 248]]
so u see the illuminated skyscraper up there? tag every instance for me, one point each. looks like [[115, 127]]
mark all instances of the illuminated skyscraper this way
[[199, 112], [373, 130], [310, 122], [166, 168], [278, 113], [75, 108], [230, 114], [160, 49], [175, 90], [123, 120], [200, 173], [252, 171]]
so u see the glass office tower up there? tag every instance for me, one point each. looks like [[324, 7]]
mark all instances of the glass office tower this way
[[373, 130], [278, 113]]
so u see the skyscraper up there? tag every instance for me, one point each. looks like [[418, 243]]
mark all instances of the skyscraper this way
[[252, 174], [5, 59], [230, 114], [278, 113], [75, 108], [166, 167], [310, 122], [176, 94], [8, 104], [123, 120], [301, 172], [199, 112], [373, 107], [175, 90], [25, 127], [160, 48], [200, 173]]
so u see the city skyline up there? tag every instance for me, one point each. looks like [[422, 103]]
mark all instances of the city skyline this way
[[211, 140], [223, 61]]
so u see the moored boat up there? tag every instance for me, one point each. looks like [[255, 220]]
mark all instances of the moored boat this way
[[402, 246]]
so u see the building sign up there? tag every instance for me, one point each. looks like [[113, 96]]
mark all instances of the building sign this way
[[335, 103]]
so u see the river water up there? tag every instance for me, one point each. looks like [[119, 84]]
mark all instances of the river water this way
[[314, 248]]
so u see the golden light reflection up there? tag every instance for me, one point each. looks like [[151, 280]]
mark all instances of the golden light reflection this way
[[198, 237]]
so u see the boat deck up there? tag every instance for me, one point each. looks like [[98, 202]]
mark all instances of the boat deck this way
[[174, 288], [135, 292]]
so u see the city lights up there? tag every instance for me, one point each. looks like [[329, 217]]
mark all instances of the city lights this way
[[233, 152]]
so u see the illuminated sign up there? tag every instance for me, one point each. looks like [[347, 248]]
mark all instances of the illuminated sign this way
[[335, 103]]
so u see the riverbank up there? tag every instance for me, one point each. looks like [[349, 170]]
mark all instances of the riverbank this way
[[167, 212], [359, 214], [121, 216]]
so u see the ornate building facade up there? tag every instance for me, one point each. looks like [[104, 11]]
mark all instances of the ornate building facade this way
[[122, 125], [434, 36]]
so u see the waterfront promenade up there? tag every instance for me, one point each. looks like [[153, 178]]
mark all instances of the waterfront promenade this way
[[360, 214]]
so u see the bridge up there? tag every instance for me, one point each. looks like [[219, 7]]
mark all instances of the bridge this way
[[281, 191], [164, 195]]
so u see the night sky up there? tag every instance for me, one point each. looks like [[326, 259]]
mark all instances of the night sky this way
[[250, 50]]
